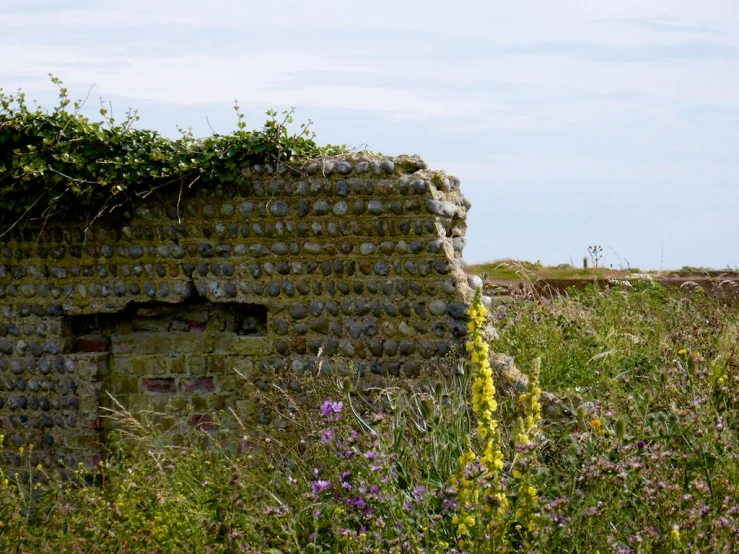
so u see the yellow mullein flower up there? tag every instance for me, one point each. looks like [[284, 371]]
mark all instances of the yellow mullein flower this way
[[526, 430], [484, 405]]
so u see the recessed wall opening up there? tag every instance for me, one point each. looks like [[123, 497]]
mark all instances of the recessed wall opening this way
[[195, 316]]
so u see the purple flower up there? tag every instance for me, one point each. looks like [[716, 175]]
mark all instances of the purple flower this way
[[330, 408], [326, 436], [320, 486]]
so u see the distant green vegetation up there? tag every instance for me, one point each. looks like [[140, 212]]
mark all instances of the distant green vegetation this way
[[516, 270], [513, 270]]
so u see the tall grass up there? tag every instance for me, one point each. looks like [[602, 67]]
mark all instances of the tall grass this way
[[636, 452]]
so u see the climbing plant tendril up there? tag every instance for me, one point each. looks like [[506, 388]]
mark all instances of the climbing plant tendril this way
[[53, 161]]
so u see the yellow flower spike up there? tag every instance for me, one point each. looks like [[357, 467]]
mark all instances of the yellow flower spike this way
[[483, 493], [526, 431]]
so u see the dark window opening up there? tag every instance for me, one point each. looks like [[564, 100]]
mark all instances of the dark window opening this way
[[194, 316]]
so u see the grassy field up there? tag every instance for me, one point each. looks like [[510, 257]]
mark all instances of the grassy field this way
[[630, 446], [516, 270]]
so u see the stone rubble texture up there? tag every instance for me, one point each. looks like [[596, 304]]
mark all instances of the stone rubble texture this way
[[188, 303]]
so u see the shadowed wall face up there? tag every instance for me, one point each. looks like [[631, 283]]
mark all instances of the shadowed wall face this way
[[172, 306]]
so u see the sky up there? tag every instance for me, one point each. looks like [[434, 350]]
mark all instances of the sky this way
[[570, 123]]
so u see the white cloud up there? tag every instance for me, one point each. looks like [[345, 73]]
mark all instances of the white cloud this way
[[641, 93]]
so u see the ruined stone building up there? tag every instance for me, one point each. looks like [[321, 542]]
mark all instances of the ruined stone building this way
[[165, 305]]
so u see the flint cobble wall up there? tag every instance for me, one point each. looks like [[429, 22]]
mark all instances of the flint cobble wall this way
[[170, 306]]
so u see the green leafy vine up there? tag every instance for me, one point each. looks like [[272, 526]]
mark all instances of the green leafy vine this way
[[54, 161]]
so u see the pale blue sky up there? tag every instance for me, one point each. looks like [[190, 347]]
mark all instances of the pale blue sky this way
[[569, 123]]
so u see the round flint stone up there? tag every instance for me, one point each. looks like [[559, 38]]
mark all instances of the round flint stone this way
[[302, 208], [342, 188], [435, 246], [448, 286], [320, 207], [376, 207], [457, 310], [51, 347], [343, 168], [375, 347], [341, 208], [17, 367], [475, 282], [246, 209], [367, 248], [438, 307], [411, 368], [407, 347], [358, 207], [441, 208], [280, 248], [419, 186], [258, 250], [298, 311], [28, 290], [382, 269], [442, 267], [280, 208]]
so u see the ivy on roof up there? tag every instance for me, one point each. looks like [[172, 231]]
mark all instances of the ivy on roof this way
[[56, 161]]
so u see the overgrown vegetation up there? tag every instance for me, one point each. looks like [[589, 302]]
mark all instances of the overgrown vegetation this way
[[635, 452], [51, 161]]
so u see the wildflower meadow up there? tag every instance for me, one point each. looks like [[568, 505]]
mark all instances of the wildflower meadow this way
[[622, 439]]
